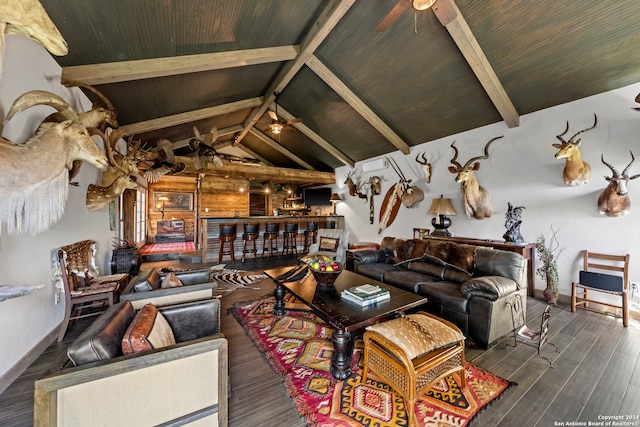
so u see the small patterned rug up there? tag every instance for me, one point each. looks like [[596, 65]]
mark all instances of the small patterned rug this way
[[164, 248], [298, 347]]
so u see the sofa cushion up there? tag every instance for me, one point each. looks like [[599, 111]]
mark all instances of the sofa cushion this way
[[435, 270], [405, 279], [147, 281], [148, 330], [170, 281], [455, 274], [102, 339], [443, 293], [495, 262], [490, 287], [376, 271]]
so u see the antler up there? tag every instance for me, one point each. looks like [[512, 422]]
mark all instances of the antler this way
[[424, 159], [624, 172], [595, 122], [455, 156], [614, 171], [481, 157]]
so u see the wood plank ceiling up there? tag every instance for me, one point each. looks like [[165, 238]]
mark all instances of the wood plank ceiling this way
[[169, 66]]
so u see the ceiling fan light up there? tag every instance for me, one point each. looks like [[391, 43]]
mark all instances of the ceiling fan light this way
[[276, 128], [423, 4]]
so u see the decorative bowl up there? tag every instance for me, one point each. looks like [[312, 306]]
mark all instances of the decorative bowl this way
[[325, 278]]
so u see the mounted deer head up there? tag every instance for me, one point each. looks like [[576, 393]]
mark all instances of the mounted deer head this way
[[354, 189], [426, 166], [576, 171], [477, 202], [614, 200]]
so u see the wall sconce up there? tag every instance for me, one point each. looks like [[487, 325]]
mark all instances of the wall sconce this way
[[441, 207], [335, 198]]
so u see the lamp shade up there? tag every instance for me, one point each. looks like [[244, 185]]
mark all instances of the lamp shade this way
[[441, 206], [335, 197], [423, 4]]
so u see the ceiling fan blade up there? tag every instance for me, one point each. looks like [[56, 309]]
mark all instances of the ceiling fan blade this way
[[292, 121], [392, 15], [272, 115]]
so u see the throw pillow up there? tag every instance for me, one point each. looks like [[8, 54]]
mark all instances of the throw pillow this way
[[148, 330], [170, 281], [154, 279], [329, 244], [490, 287]]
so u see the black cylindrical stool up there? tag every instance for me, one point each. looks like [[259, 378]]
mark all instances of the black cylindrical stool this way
[[332, 224], [270, 238], [250, 236], [290, 243], [310, 234], [227, 235]]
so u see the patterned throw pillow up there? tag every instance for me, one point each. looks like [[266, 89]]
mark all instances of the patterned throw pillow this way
[[329, 244], [148, 330], [170, 281]]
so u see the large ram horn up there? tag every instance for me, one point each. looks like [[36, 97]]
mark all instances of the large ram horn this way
[[482, 157], [40, 97], [103, 100]]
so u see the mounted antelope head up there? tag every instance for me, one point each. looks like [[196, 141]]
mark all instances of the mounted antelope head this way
[[426, 166], [614, 200], [409, 194], [477, 202], [576, 171], [354, 189]]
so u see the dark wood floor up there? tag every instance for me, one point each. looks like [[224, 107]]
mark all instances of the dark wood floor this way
[[597, 372]]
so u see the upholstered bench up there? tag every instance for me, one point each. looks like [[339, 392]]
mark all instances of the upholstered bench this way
[[411, 353]]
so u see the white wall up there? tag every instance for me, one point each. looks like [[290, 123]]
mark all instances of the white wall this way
[[25, 259], [521, 169]]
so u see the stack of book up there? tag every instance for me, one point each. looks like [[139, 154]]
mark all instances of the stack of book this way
[[365, 295]]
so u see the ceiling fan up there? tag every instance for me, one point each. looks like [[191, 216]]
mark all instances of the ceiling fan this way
[[278, 124], [399, 8]]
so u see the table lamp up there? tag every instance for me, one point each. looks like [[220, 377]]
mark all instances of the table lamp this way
[[441, 207], [335, 198]]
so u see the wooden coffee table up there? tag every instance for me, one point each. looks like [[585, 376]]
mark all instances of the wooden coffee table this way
[[344, 317]]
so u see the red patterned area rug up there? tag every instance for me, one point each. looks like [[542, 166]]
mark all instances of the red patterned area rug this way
[[162, 248], [298, 347]]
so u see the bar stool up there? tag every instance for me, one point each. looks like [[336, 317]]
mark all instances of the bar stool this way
[[289, 246], [250, 235], [310, 234], [270, 235], [227, 235]]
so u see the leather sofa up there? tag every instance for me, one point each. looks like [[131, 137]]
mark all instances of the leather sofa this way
[[470, 286], [95, 384], [147, 288]]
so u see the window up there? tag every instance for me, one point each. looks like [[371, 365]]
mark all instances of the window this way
[[141, 215]]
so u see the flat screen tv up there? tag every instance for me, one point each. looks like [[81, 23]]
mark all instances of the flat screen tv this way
[[317, 196]]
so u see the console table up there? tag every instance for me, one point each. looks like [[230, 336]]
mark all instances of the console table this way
[[527, 250]]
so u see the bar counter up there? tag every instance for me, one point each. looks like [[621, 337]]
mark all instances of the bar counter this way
[[210, 240]]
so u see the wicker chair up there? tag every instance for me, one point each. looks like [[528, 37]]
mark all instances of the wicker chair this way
[[411, 353]]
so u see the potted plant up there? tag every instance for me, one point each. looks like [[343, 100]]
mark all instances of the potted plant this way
[[548, 253]]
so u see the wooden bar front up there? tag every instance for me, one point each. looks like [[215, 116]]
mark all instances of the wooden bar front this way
[[210, 242], [527, 250]]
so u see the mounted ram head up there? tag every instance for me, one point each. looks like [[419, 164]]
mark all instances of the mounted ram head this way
[[477, 202]]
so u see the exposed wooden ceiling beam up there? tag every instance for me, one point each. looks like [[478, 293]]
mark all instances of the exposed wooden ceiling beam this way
[[449, 15], [262, 173], [273, 144], [356, 103], [284, 114], [255, 155], [189, 116], [330, 16], [111, 72]]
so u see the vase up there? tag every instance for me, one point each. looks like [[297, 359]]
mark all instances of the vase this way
[[549, 295]]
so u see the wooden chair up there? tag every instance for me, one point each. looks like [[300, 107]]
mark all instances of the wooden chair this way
[[250, 236], [227, 236], [593, 280], [79, 295], [290, 241]]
